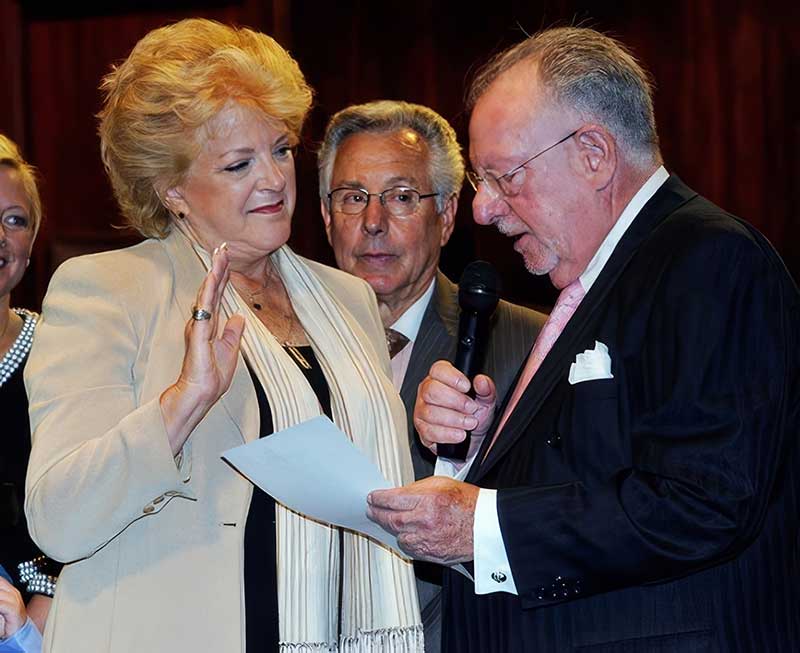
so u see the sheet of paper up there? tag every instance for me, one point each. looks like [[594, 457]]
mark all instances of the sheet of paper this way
[[314, 468]]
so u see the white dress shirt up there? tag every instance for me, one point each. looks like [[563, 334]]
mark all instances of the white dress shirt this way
[[492, 568], [409, 324]]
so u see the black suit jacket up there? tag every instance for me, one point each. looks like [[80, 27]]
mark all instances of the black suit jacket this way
[[658, 510]]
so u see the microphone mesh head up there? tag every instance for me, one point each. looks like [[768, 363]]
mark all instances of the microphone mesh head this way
[[479, 288]]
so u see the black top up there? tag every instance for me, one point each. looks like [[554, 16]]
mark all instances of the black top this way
[[260, 546], [16, 545]]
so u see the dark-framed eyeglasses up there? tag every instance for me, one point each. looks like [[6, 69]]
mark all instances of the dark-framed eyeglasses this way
[[510, 183], [399, 201]]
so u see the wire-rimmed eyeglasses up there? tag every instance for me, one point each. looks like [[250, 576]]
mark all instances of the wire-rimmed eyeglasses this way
[[399, 201], [510, 183]]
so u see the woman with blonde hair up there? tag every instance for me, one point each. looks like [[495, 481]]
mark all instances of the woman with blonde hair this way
[[25, 594], [168, 548]]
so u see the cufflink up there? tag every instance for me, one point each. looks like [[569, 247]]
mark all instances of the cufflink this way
[[499, 577]]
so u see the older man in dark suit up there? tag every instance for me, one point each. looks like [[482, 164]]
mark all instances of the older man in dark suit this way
[[638, 489], [390, 175]]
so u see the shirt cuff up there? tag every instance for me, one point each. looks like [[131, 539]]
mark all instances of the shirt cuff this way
[[492, 569], [27, 639], [458, 469]]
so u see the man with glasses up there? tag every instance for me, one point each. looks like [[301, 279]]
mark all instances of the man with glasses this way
[[390, 176], [638, 489]]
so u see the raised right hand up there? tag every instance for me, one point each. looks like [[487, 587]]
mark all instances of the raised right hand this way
[[444, 412], [209, 361]]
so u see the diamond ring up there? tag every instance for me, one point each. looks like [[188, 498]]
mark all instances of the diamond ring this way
[[200, 314]]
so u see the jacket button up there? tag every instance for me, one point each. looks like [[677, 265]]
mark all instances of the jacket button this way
[[158, 499], [148, 509], [554, 441], [499, 577]]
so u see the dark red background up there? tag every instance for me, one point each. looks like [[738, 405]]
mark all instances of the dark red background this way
[[727, 101]]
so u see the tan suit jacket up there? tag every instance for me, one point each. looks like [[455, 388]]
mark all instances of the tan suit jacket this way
[[154, 544]]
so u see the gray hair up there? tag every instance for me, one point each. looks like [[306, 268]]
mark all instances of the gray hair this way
[[445, 165], [592, 73]]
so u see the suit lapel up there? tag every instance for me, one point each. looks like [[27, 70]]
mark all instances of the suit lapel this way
[[672, 194], [436, 337], [189, 272], [478, 469]]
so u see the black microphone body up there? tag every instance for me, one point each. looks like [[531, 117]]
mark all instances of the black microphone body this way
[[478, 294]]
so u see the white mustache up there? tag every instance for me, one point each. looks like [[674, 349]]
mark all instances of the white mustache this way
[[505, 226]]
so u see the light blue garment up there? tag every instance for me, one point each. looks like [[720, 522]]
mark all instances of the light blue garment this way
[[27, 639]]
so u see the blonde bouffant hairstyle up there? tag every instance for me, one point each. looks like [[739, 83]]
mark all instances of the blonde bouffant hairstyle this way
[[11, 158], [175, 80]]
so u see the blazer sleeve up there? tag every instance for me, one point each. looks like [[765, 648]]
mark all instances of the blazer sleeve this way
[[100, 459], [695, 424]]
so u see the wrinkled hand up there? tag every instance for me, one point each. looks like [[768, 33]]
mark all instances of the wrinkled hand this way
[[12, 609], [209, 361], [444, 412], [431, 518]]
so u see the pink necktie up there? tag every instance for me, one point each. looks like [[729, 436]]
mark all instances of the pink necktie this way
[[565, 306]]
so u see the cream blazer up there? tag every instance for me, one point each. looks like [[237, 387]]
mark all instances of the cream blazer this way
[[154, 543]]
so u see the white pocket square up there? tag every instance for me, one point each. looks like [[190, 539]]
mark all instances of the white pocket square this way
[[591, 364]]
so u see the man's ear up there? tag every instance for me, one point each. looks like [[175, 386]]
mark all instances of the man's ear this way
[[326, 217], [597, 148], [174, 201], [448, 218]]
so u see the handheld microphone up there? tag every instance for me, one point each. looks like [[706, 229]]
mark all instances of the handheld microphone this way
[[478, 294]]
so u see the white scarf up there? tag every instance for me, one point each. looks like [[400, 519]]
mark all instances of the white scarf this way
[[379, 608]]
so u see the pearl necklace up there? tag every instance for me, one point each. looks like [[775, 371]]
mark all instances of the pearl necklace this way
[[22, 345]]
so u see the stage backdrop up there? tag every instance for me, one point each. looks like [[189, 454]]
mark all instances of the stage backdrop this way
[[726, 100]]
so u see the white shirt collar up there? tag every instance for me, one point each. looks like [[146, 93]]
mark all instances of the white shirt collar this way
[[624, 221], [409, 322]]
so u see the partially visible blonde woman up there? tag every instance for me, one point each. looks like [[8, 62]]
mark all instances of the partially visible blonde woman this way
[[137, 381], [25, 597]]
